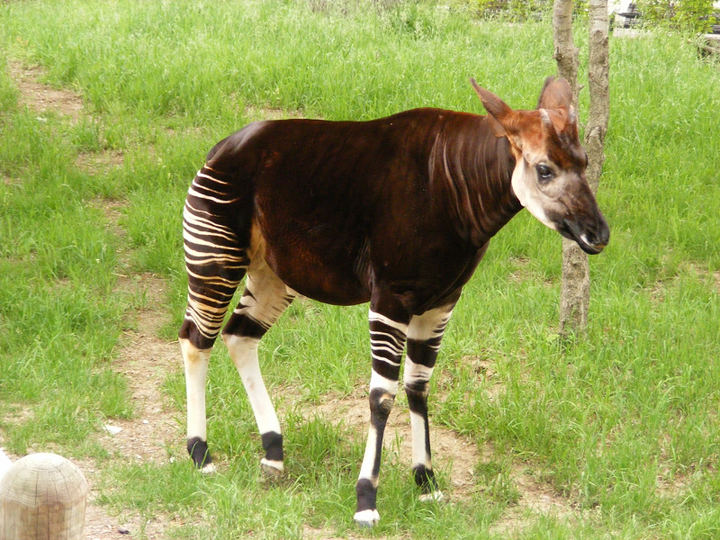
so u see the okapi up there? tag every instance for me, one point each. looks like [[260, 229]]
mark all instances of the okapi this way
[[397, 211]]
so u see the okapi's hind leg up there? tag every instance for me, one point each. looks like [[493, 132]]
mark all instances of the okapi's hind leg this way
[[423, 343], [264, 300], [216, 261]]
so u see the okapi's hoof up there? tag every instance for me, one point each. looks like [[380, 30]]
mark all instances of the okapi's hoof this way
[[272, 469], [367, 518], [436, 496], [208, 468]]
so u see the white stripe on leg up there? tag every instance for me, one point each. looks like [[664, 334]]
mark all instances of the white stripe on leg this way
[[424, 336]]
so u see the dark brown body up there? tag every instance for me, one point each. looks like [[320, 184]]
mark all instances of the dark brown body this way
[[346, 207]]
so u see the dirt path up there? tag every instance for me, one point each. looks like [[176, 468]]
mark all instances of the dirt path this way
[[143, 358], [42, 98]]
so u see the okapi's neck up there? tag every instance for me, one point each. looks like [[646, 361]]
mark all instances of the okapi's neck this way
[[471, 171]]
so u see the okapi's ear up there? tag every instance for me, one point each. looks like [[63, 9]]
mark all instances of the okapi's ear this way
[[499, 113], [556, 94]]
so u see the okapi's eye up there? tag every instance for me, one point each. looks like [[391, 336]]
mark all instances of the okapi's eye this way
[[545, 173]]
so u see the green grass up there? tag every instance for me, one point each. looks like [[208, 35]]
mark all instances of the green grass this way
[[597, 421]]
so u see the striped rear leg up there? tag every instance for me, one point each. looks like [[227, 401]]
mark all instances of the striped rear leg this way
[[387, 341], [216, 261], [264, 300], [424, 335]]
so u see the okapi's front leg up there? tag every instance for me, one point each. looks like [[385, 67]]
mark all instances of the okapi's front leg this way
[[424, 335], [387, 340]]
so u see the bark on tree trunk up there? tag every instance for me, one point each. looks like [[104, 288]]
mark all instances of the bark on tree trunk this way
[[598, 82], [566, 53], [575, 288]]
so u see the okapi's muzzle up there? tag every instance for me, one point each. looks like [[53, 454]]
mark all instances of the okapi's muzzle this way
[[592, 235]]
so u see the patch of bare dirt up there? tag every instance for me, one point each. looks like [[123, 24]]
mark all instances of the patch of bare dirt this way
[[145, 360], [42, 98], [99, 163], [451, 452], [458, 456], [18, 414], [311, 533], [487, 375], [99, 526], [270, 113], [536, 499], [7, 180], [112, 208]]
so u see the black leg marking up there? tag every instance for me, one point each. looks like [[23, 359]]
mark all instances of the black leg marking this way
[[381, 404], [244, 326], [190, 331], [425, 478], [198, 450], [424, 337], [366, 495], [272, 443]]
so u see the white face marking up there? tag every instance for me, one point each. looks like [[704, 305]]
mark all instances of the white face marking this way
[[524, 184]]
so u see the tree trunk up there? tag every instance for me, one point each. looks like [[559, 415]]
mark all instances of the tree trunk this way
[[598, 82], [575, 288], [566, 53]]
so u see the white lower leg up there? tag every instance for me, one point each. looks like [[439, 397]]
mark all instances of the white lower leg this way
[[196, 365], [424, 336], [244, 353]]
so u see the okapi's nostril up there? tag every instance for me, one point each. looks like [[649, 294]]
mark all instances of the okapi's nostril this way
[[602, 236]]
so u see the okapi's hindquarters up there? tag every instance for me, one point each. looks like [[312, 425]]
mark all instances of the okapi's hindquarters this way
[[387, 340], [215, 263]]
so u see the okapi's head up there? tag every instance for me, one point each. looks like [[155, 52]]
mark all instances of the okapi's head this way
[[549, 176]]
